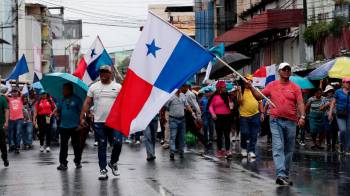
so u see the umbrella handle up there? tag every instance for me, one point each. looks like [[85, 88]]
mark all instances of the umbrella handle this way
[[245, 80]]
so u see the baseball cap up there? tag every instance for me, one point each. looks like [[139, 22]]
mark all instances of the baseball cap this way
[[106, 67], [249, 77], [283, 65], [328, 88], [220, 84]]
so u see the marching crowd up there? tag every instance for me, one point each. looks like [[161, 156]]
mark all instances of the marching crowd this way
[[212, 116]]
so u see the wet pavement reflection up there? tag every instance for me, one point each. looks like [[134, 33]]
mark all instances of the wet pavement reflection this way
[[313, 173]]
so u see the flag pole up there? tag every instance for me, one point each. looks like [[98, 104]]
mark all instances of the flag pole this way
[[245, 80]]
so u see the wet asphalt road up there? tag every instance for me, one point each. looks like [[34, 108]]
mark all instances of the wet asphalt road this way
[[34, 173]]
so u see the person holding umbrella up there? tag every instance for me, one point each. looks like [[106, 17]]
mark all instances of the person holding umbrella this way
[[68, 112]]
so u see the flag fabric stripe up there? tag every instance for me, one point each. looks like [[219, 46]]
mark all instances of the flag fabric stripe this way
[[20, 69], [181, 64], [94, 66], [130, 101], [156, 99], [264, 75], [80, 71]]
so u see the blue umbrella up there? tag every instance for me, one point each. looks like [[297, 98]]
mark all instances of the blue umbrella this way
[[37, 85], [322, 71], [303, 83], [53, 84]]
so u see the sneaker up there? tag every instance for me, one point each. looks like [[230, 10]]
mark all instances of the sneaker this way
[[302, 144], [283, 181], [78, 165], [62, 167], [41, 148], [228, 155], [252, 155], [48, 149], [96, 144], [127, 141], [6, 163], [165, 146], [162, 142], [152, 158], [114, 168], [138, 142], [244, 153], [172, 157], [220, 154], [103, 175], [17, 151]]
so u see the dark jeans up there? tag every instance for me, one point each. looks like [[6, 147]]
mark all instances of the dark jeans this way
[[208, 127], [65, 135], [249, 131], [105, 134], [44, 130], [331, 129], [3, 146], [14, 133], [223, 128]]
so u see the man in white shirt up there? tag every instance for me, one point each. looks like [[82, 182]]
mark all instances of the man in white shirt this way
[[102, 95]]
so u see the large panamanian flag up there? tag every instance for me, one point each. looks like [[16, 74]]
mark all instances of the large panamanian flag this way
[[88, 67], [163, 60], [264, 75]]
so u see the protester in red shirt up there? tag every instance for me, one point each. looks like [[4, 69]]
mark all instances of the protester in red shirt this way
[[42, 118], [284, 118]]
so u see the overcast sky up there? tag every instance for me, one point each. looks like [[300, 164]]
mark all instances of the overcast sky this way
[[115, 21]]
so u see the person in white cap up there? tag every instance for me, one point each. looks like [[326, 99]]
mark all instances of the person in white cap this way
[[330, 127], [288, 113]]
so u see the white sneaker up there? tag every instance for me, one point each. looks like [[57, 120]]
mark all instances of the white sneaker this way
[[244, 153], [103, 175], [48, 149], [138, 142], [41, 148], [96, 144], [252, 155]]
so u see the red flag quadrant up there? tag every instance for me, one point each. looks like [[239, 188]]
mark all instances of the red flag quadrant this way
[[129, 102]]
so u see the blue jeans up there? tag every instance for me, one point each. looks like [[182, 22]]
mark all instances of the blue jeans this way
[[283, 141], [208, 127], [105, 134], [249, 127], [14, 132], [27, 133], [177, 128], [344, 128], [150, 138]]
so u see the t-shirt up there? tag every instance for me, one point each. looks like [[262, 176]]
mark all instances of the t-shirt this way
[[315, 104], [3, 107], [45, 107], [218, 106], [103, 96], [16, 108], [176, 105], [341, 97], [285, 97], [249, 106], [69, 109], [326, 100], [204, 103]]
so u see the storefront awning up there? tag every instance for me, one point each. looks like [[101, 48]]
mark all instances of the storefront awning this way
[[269, 20]]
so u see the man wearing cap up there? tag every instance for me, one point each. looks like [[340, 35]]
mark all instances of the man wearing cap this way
[[288, 113], [102, 95], [249, 109]]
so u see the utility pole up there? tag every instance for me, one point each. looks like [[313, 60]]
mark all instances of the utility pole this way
[[305, 11], [16, 28]]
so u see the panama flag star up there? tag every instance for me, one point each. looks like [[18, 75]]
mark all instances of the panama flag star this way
[[152, 48], [93, 53]]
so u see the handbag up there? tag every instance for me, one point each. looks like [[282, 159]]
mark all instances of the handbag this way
[[344, 113]]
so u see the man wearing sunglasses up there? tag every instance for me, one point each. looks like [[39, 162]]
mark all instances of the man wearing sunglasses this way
[[288, 113]]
